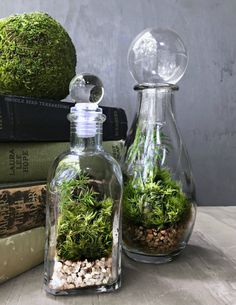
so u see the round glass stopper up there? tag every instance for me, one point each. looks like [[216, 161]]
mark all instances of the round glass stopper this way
[[86, 88], [157, 56]]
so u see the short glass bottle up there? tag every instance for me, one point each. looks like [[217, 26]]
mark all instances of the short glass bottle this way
[[83, 250]]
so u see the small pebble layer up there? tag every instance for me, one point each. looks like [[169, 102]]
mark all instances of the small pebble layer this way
[[155, 241], [69, 275]]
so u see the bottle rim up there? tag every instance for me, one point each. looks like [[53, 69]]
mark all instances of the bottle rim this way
[[167, 86]]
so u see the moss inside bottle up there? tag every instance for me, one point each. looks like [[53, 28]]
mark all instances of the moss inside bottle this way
[[158, 201], [83, 250]]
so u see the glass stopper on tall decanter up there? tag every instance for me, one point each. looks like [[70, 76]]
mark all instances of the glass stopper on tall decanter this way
[[158, 202], [83, 249]]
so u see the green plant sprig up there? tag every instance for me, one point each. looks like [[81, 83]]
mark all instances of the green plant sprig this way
[[84, 228], [158, 204], [151, 197]]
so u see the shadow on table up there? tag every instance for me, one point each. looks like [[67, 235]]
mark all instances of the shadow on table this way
[[201, 260]]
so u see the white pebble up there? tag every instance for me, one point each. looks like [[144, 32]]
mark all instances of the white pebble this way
[[57, 283], [69, 279], [109, 262], [104, 281], [88, 276], [57, 266], [66, 269], [81, 273], [78, 281], [73, 275], [71, 286], [76, 268], [98, 263]]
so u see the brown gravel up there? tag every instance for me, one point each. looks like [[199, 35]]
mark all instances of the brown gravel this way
[[155, 241]]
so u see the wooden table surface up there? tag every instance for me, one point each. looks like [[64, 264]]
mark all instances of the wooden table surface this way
[[205, 273]]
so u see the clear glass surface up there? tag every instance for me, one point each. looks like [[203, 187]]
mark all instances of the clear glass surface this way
[[157, 56], [83, 250], [158, 202], [86, 88], [83, 224]]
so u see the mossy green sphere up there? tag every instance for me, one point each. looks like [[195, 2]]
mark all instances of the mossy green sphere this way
[[37, 56]]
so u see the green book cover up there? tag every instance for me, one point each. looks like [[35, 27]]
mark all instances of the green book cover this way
[[27, 161]]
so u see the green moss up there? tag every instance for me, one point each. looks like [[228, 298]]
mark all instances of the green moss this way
[[37, 56], [85, 222], [156, 201], [157, 204]]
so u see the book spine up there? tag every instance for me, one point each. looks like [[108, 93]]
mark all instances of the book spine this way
[[20, 184], [27, 161], [6, 120], [31, 119], [22, 208], [21, 162], [21, 252], [114, 148]]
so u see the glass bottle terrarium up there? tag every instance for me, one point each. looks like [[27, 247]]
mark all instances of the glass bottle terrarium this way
[[158, 202], [83, 252]]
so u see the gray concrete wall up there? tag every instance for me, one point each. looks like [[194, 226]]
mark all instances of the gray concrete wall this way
[[206, 103]]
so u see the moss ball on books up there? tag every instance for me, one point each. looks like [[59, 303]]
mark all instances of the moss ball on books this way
[[37, 56]]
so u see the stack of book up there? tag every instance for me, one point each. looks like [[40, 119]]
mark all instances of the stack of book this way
[[33, 132]]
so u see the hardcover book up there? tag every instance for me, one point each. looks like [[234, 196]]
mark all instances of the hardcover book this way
[[22, 208], [21, 252], [29, 161], [32, 119]]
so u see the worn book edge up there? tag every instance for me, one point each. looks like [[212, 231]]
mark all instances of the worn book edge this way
[[21, 252]]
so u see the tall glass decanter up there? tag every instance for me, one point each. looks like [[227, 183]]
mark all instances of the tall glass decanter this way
[[83, 249], [158, 202]]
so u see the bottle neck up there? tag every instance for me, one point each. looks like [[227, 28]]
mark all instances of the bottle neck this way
[[86, 128], [85, 137], [154, 106]]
